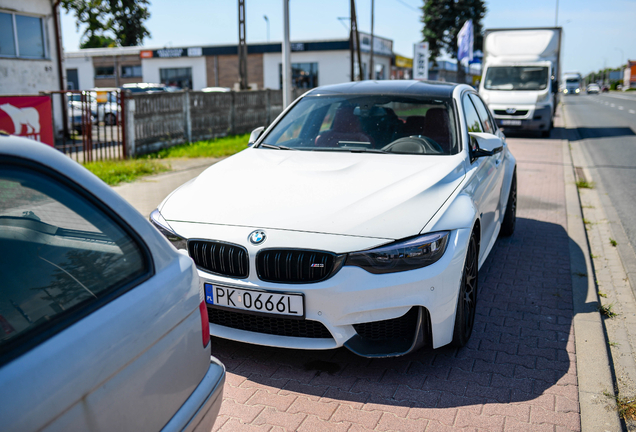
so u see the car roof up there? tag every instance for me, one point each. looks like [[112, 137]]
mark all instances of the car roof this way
[[396, 87]]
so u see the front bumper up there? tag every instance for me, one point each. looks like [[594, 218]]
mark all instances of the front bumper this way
[[354, 298], [535, 119]]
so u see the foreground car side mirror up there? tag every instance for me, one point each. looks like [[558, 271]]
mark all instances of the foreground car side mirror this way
[[256, 133], [487, 144]]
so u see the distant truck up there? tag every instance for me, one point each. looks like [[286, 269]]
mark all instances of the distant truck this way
[[520, 76], [573, 83]]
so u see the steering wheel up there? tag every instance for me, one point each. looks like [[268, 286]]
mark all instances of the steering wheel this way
[[415, 144]]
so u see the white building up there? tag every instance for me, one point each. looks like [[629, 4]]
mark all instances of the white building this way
[[314, 63], [29, 61]]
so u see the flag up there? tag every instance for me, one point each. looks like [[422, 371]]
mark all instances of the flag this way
[[465, 42]]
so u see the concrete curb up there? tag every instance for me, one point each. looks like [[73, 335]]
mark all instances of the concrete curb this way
[[594, 368]]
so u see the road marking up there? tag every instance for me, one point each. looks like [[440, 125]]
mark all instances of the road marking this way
[[632, 112], [620, 97], [620, 107]]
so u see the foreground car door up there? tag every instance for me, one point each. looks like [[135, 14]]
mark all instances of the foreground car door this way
[[99, 331], [488, 176]]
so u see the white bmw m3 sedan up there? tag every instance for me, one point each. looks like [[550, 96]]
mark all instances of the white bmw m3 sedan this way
[[360, 218]]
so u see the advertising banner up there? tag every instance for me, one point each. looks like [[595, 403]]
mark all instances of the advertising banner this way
[[27, 116], [420, 61]]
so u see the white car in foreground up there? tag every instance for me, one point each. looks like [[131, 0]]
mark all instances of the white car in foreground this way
[[103, 323], [360, 218]]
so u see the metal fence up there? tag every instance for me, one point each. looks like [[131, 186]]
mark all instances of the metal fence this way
[[160, 120], [93, 128]]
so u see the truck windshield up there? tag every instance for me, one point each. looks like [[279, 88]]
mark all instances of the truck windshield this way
[[516, 78]]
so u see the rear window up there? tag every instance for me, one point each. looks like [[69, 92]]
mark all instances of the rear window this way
[[362, 123], [61, 254]]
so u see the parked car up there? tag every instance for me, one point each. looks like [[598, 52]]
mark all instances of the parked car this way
[[359, 218], [107, 112], [103, 323], [216, 89], [593, 88], [149, 88]]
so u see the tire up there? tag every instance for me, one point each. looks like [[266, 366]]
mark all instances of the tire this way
[[110, 119], [467, 299], [510, 217]]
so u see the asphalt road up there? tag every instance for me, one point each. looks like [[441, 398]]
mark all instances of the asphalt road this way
[[606, 126]]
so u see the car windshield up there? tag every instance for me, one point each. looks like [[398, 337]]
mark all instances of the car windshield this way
[[363, 123], [516, 78]]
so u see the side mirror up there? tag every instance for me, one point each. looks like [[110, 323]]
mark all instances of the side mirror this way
[[487, 144], [555, 86], [256, 133]]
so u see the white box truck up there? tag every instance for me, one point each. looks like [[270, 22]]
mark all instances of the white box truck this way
[[520, 76], [573, 83]]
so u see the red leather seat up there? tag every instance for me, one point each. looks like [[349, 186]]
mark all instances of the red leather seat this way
[[345, 127]]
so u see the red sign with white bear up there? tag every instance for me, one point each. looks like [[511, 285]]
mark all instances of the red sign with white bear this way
[[27, 116]]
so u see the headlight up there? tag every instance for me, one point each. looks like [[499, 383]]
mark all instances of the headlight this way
[[404, 255], [164, 228], [565, 91], [577, 90]]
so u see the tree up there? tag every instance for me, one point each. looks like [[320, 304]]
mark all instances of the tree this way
[[443, 19], [110, 22], [91, 13], [127, 21]]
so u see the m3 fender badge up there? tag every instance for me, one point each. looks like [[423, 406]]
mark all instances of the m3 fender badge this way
[[257, 237]]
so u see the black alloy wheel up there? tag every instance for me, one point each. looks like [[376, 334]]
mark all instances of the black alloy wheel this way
[[510, 217], [467, 301]]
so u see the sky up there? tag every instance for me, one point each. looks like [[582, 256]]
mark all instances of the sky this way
[[597, 33]]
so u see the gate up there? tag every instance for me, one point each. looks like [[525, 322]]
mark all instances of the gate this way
[[94, 126]]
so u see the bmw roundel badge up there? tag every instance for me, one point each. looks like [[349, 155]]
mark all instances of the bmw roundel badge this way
[[257, 237]]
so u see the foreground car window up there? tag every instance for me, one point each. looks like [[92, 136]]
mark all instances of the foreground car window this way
[[378, 124], [61, 255]]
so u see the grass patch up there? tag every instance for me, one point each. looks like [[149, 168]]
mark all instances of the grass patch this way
[[626, 407], [582, 184], [587, 222], [602, 294], [219, 147], [607, 311], [114, 172], [613, 242]]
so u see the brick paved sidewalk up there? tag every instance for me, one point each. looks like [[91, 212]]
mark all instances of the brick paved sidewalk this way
[[517, 373]]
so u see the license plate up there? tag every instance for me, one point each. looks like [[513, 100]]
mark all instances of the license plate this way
[[267, 302], [511, 122]]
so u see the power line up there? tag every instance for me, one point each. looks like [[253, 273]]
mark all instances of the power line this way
[[413, 8]]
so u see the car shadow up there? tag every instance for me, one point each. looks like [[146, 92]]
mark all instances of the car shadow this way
[[522, 343], [582, 133]]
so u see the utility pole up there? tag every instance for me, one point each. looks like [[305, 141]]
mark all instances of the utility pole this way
[[556, 15], [242, 47], [267, 22], [354, 38], [287, 84], [371, 66]]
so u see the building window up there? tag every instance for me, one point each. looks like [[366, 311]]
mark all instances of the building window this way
[[22, 36], [104, 72], [304, 75], [131, 71], [176, 77]]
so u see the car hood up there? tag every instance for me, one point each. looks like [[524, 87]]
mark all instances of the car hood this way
[[371, 195]]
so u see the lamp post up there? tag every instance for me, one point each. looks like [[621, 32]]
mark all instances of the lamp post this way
[[267, 22], [287, 85], [622, 55]]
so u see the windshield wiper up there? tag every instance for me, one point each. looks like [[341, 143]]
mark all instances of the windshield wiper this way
[[362, 150], [276, 147]]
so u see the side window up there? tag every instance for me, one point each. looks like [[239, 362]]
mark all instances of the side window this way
[[486, 119], [66, 256], [472, 118]]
